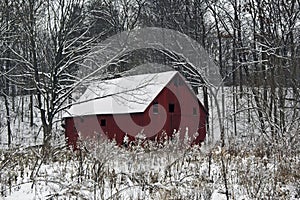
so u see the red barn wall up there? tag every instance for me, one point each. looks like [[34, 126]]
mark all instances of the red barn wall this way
[[176, 93]]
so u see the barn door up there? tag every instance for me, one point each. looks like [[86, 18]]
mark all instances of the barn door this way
[[171, 114]]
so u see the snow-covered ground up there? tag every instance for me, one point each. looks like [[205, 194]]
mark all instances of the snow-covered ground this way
[[248, 167], [109, 172]]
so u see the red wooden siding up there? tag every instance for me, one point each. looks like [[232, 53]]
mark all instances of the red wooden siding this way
[[187, 111]]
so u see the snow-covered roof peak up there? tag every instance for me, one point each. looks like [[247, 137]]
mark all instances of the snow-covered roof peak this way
[[130, 94]]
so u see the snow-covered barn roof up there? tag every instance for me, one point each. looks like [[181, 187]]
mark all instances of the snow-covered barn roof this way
[[131, 94]]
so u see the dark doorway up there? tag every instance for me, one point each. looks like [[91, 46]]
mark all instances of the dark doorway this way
[[171, 107], [103, 122]]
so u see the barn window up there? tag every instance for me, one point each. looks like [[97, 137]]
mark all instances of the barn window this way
[[103, 122], [194, 111], [155, 107], [171, 107]]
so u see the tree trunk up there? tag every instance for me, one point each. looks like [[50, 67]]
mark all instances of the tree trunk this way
[[206, 105], [31, 110], [47, 130], [9, 135]]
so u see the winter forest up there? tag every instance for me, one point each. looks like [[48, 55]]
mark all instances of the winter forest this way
[[51, 50]]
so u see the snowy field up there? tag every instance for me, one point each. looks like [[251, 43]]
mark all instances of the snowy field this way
[[109, 172], [248, 167]]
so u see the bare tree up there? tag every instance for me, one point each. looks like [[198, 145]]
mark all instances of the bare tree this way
[[6, 65], [57, 40]]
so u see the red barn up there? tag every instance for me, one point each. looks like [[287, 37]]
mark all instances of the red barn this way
[[152, 104]]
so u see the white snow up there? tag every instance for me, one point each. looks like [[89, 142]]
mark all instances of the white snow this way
[[131, 94]]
